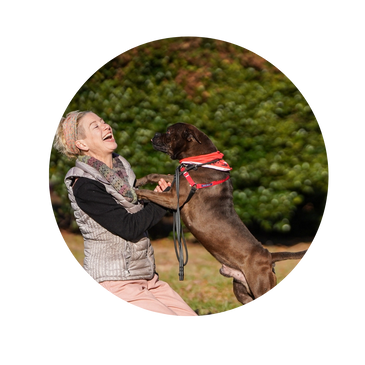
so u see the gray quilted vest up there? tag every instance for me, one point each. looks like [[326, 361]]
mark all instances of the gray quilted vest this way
[[107, 256]]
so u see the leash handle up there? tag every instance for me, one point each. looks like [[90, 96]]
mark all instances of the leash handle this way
[[180, 246]]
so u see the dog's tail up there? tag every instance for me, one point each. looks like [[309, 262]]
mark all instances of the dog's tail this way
[[281, 256]]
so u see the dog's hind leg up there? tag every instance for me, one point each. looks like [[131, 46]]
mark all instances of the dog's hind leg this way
[[233, 273], [241, 289], [241, 293]]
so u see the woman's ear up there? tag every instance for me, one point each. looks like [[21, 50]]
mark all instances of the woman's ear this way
[[81, 145]]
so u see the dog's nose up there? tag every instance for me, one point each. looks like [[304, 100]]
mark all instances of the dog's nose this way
[[157, 135]]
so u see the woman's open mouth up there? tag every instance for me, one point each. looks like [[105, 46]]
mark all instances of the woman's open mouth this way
[[108, 138]]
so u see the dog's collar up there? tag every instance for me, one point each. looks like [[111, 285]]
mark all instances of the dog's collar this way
[[210, 160]]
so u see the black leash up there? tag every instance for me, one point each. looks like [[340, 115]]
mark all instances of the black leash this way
[[179, 239], [178, 235]]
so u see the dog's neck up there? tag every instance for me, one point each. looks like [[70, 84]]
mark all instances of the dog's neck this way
[[196, 153], [206, 157], [205, 147], [211, 160]]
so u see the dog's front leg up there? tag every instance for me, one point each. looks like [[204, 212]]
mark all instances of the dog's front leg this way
[[153, 178], [167, 199]]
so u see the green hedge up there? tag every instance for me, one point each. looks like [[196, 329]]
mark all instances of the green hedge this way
[[251, 111]]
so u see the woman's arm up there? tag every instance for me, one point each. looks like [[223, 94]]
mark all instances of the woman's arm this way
[[92, 197]]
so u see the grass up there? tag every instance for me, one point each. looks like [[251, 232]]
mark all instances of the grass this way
[[203, 288]]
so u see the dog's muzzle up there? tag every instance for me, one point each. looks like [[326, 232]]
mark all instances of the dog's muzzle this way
[[158, 144]]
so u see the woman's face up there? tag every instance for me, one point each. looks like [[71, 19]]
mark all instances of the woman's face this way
[[98, 139]]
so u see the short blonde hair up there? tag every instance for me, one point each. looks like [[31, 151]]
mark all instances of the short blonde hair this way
[[60, 140]]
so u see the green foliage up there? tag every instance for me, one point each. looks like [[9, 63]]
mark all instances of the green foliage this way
[[250, 110]]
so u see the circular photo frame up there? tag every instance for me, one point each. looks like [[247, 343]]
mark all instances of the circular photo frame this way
[[179, 102]]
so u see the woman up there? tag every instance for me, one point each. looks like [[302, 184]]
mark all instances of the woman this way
[[118, 252]]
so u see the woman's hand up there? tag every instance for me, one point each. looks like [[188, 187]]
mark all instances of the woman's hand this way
[[162, 185]]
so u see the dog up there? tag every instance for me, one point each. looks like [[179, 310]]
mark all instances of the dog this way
[[209, 213]]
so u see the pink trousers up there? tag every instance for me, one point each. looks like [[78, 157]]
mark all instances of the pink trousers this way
[[154, 295]]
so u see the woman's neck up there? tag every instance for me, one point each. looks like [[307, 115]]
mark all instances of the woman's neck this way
[[107, 159]]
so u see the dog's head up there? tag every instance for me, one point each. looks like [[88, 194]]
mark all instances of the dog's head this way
[[182, 140]]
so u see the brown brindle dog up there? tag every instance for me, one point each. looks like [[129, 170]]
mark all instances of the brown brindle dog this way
[[210, 215]]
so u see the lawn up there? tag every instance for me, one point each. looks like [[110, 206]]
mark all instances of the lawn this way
[[203, 288]]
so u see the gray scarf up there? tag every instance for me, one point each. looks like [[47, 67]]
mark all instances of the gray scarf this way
[[117, 176]]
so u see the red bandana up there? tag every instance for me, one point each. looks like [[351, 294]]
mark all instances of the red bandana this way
[[218, 165]]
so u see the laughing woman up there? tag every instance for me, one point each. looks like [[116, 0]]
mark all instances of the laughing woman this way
[[113, 223]]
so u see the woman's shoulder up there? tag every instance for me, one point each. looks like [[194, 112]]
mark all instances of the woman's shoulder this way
[[85, 185]]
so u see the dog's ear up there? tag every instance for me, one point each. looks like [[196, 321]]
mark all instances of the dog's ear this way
[[190, 135]]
